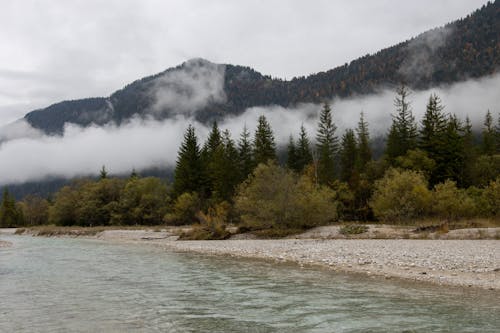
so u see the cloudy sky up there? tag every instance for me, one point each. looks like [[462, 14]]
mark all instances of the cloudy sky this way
[[51, 50]]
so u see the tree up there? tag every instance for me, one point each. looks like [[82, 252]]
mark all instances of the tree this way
[[348, 158], [10, 216], [403, 132], [363, 142], [451, 161], [303, 151], [246, 160], [400, 196], [450, 202], [35, 210], [184, 209], [189, 174], [469, 155], [326, 146], [213, 142], [211, 150], [488, 145], [264, 147], [291, 160], [103, 174]]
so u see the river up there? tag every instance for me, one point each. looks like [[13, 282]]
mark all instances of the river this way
[[82, 285]]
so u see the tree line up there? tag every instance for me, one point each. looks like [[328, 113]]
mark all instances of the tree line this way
[[436, 168]]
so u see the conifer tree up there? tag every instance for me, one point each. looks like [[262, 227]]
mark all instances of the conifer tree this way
[[246, 161], [497, 134], [224, 169], [188, 175], [326, 146], [363, 141], [103, 174], [348, 157], [303, 150], [291, 160], [403, 132], [452, 161], [264, 147], [208, 154], [469, 154], [488, 145]]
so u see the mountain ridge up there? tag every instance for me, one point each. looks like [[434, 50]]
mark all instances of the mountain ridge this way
[[463, 49]]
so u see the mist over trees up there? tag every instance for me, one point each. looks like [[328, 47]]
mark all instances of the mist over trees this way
[[433, 169]]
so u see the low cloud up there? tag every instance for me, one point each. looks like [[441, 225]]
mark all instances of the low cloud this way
[[196, 84], [141, 144]]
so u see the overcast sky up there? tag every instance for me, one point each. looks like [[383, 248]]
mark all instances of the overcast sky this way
[[51, 50]]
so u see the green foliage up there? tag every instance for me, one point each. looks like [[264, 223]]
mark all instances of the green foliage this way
[[485, 169], [488, 145], [213, 224], [276, 198], [450, 202], [142, 201], [35, 210], [326, 146], [184, 209], [403, 132], [10, 214], [245, 154], [416, 160], [303, 151], [264, 147], [64, 210], [363, 142], [348, 158], [491, 199], [401, 196], [291, 156], [103, 174], [189, 173]]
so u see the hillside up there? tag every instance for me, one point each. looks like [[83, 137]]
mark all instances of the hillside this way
[[466, 48]]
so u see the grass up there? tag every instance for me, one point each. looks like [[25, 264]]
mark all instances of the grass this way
[[353, 229]]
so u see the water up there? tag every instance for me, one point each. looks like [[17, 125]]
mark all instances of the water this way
[[75, 285]]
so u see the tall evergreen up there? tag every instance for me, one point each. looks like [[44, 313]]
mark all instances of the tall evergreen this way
[[469, 154], [103, 174], [224, 169], [326, 146], [246, 160], [432, 137], [303, 150], [452, 161], [189, 171], [208, 154], [363, 141], [264, 147], [291, 158], [488, 145], [214, 140], [403, 132], [348, 157], [497, 134], [10, 216]]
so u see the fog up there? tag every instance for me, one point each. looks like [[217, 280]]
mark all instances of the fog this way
[[142, 143]]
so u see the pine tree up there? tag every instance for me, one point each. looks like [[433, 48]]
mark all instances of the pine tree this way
[[363, 141], [188, 171], [264, 147], [348, 157], [497, 134], [246, 161], [469, 154], [291, 160], [214, 140], [488, 145], [224, 169], [326, 146], [403, 132], [10, 216], [303, 151], [452, 161]]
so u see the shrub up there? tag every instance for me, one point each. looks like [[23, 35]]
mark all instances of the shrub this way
[[400, 196], [491, 199], [184, 209], [274, 197], [353, 229], [452, 203], [213, 224]]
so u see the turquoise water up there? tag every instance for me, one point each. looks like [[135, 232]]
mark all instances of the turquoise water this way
[[75, 285]]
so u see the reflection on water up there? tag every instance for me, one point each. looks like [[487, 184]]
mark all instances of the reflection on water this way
[[74, 285]]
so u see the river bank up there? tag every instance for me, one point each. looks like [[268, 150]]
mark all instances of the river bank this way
[[462, 262]]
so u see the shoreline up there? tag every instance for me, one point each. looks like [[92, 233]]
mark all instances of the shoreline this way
[[455, 263]]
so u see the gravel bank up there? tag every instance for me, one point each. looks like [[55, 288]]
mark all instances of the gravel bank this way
[[466, 263]]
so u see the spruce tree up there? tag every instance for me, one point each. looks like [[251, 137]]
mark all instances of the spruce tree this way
[[208, 154], [348, 157], [403, 132], [452, 161], [246, 160], [188, 175], [488, 145], [291, 160], [303, 150], [224, 169], [326, 146], [432, 137], [103, 174], [363, 141], [264, 147], [469, 154]]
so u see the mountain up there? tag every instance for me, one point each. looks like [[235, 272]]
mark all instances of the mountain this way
[[466, 48]]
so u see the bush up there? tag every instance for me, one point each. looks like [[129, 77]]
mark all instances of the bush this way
[[274, 197], [491, 199], [452, 203], [184, 209], [353, 229], [213, 224], [400, 196]]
